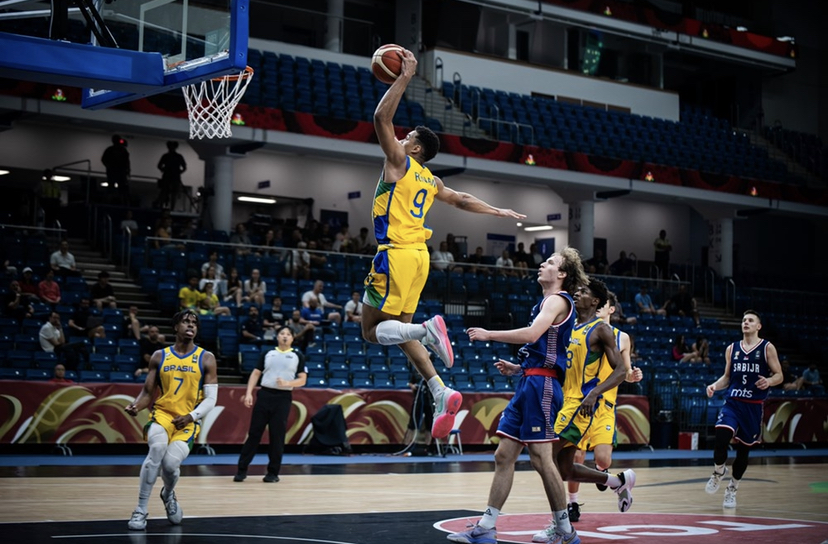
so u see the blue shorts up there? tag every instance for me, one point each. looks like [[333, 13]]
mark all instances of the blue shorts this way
[[530, 415], [744, 419]]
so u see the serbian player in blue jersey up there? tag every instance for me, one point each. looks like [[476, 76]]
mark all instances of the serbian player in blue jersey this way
[[751, 367], [529, 418]]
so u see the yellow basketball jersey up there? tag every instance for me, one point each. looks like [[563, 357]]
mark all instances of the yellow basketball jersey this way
[[400, 208], [581, 364], [604, 370], [180, 378]]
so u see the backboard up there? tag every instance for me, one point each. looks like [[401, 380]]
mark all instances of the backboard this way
[[136, 48]]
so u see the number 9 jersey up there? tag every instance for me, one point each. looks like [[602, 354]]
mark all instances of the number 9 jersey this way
[[400, 208]]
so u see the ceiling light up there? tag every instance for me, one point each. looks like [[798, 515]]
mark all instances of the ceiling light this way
[[61, 178], [519, 224], [256, 199], [104, 184], [539, 227], [3, 172]]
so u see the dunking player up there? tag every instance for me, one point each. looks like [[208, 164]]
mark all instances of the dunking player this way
[[751, 367], [404, 194], [187, 378], [530, 415], [600, 437]]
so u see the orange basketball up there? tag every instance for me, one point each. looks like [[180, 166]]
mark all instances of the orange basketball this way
[[386, 63]]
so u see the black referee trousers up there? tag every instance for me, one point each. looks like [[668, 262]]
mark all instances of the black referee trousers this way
[[271, 410]]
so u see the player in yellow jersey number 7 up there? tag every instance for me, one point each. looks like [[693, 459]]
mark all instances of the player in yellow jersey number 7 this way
[[187, 379], [403, 196]]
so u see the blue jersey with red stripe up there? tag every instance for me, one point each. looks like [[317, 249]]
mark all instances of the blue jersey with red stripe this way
[[549, 351], [746, 365]]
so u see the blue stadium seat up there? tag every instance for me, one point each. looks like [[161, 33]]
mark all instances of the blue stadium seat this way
[[40, 374], [93, 376]]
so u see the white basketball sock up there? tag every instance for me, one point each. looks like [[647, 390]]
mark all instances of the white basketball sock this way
[[489, 518], [562, 523], [393, 332], [436, 385]]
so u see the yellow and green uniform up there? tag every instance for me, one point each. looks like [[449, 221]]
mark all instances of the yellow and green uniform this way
[[581, 378], [602, 430], [181, 380], [400, 268]]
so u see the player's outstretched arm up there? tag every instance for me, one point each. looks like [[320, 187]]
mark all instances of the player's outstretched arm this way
[[470, 203], [147, 393], [554, 309], [384, 115]]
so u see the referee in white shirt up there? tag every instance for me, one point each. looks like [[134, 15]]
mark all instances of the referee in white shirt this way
[[281, 370]]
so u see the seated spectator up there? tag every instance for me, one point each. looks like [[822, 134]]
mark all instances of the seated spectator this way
[[253, 329], [59, 375], [83, 323], [522, 260], [131, 326], [102, 292], [318, 263], [597, 264], [16, 304], [277, 315], [683, 304], [362, 243], [342, 240], [312, 313], [298, 265], [811, 377], [505, 265], [790, 382], [129, 223], [477, 260], [442, 259], [273, 239], [645, 304], [241, 239], [163, 231], [624, 266], [323, 303], [235, 288], [213, 262], [619, 318], [49, 289], [353, 308], [702, 348], [189, 297], [209, 303], [537, 258], [219, 284], [682, 353], [303, 332], [254, 288], [28, 286], [52, 340], [149, 345], [63, 262]]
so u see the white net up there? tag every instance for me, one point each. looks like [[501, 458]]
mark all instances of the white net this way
[[210, 104]]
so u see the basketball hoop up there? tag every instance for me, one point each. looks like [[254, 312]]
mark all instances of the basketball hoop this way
[[210, 104]]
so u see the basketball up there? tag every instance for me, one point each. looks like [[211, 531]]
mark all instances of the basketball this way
[[386, 63]]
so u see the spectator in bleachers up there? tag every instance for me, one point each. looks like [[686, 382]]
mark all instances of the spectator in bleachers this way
[[362, 243], [811, 377], [241, 239], [298, 266], [28, 286], [102, 292], [535, 253], [16, 304], [255, 288], [303, 332], [253, 329], [702, 347], [213, 263], [49, 289], [318, 263], [476, 259], [129, 223], [235, 288], [682, 353], [209, 303], [163, 230], [504, 264], [63, 262], [683, 304], [624, 266], [273, 238], [322, 302], [453, 247], [644, 303], [219, 284], [353, 308], [597, 264], [342, 240], [619, 318], [149, 345], [116, 161], [59, 375], [313, 313], [790, 382], [277, 315], [189, 296], [83, 323], [442, 259], [132, 327], [662, 248], [172, 165], [522, 260], [52, 340]]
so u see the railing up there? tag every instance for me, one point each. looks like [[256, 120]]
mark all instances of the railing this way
[[126, 249], [730, 296], [710, 286]]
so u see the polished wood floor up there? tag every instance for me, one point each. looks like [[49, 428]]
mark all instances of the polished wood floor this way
[[776, 490]]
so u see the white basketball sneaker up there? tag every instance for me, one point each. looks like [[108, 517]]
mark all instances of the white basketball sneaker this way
[[729, 497], [138, 521], [714, 481], [545, 535]]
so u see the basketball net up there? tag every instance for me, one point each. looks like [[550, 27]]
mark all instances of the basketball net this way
[[210, 104]]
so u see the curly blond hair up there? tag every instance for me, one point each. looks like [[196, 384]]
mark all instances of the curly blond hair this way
[[575, 275]]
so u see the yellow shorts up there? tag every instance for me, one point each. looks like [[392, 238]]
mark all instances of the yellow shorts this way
[[396, 279], [571, 425], [602, 430], [187, 434]]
